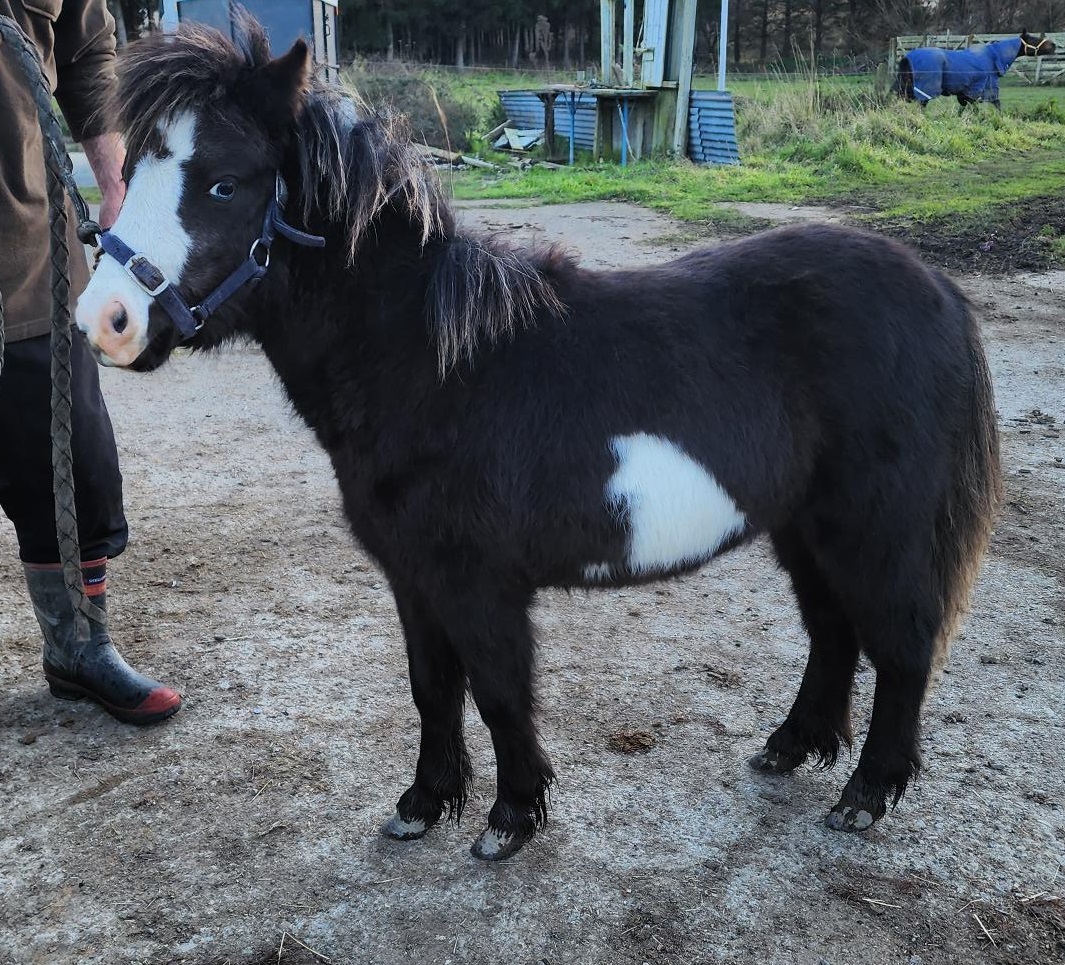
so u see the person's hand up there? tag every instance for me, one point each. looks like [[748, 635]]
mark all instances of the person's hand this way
[[106, 154]]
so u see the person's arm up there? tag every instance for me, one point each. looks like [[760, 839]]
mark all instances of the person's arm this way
[[106, 152], [85, 70]]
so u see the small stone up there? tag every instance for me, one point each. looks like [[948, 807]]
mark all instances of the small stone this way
[[257, 710], [219, 637]]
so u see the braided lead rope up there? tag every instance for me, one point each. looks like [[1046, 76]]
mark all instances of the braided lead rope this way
[[60, 175]]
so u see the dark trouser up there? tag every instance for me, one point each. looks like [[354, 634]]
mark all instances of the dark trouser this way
[[26, 454]]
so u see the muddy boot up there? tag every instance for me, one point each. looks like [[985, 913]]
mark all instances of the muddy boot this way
[[79, 658]]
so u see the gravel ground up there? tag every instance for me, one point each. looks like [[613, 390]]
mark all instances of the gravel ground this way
[[244, 830]]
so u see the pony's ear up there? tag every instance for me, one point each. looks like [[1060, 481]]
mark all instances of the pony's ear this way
[[284, 83]]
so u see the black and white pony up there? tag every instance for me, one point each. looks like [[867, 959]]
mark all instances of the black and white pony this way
[[501, 419]]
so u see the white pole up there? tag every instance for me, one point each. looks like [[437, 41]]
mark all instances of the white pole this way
[[168, 16], [722, 46]]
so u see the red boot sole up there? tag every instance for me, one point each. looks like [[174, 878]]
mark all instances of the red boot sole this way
[[67, 690]]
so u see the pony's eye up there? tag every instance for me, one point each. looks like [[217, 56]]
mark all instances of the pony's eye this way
[[223, 190]]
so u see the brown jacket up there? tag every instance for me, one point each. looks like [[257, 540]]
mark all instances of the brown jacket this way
[[76, 40]]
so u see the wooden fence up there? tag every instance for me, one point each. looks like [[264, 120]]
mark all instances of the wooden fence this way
[[1032, 70]]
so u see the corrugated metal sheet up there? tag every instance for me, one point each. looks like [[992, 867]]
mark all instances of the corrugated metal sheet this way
[[712, 128], [526, 110]]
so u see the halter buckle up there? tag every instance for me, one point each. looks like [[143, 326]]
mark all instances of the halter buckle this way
[[147, 274]]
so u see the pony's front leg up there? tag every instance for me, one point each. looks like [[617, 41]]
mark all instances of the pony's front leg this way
[[498, 649], [437, 681]]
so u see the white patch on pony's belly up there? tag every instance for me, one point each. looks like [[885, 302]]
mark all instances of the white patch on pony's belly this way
[[149, 224], [677, 513]]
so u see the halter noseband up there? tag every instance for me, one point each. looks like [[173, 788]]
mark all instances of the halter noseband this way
[[1034, 51], [190, 320]]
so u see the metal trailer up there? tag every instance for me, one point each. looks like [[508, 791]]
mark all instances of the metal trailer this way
[[284, 20]]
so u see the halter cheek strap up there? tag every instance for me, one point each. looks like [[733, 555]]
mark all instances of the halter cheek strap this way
[[157, 286]]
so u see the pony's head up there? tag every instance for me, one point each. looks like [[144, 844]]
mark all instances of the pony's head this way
[[214, 127], [1036, 46], [207, 122]]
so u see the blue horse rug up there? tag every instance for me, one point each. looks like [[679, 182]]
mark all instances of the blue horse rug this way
[[971, 75]]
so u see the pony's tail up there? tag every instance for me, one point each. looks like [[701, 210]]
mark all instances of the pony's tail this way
[[903, 85], [967, 513]]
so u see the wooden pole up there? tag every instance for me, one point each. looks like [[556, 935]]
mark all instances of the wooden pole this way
[[684, 38], [607, 35], [628, 66]]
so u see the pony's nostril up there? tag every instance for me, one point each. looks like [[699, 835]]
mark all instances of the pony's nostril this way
[[119, 320]]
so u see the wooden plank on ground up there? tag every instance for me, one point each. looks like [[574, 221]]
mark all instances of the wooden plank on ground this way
[[439, 153]]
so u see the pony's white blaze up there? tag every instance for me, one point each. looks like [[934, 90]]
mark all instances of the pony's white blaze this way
[[677, 512], [150, 225]]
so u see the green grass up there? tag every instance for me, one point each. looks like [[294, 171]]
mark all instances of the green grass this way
[[1016, 95]]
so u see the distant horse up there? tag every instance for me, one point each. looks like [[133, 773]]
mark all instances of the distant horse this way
[[501, 419], [970, 75]]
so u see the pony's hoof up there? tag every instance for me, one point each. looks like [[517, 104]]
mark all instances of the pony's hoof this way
[[843, 817], [495, 845], [399, 830], [774, 762]]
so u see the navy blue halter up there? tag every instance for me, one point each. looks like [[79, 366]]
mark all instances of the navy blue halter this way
[[190, 320]]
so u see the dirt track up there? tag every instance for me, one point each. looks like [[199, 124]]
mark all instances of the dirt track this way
[[249, 820]]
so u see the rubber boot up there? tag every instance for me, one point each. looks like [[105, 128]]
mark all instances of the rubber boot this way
[[79, 658]]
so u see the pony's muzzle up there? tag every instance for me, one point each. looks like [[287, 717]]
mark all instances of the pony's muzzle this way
[[110, 331]]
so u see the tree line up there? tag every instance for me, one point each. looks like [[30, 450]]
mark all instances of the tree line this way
[[564, 34], [761, 32]]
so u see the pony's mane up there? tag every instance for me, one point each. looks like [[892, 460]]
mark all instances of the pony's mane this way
[[355, 163]]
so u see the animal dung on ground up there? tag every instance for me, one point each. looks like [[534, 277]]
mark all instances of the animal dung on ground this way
[[631, 741]]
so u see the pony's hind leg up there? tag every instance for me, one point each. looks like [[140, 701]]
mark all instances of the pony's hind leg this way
[[901, 646], [438, 682], [820, 717]]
